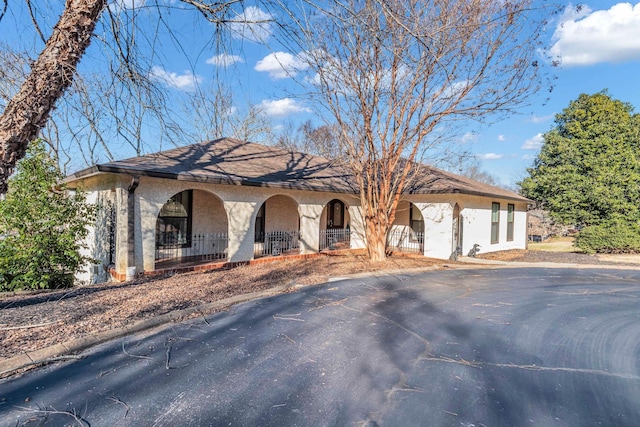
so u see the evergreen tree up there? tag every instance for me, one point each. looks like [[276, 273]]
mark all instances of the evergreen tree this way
[[588, 170], [42, 225]]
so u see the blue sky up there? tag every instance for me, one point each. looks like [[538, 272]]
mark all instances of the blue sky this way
[[599, 47]]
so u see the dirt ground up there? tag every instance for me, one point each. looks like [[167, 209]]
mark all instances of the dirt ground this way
[[34, 320]]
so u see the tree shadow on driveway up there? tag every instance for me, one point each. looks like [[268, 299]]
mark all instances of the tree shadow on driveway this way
[[423, 349]]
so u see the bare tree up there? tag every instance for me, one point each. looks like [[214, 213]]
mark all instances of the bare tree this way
[[468, 165], [216, 115], [390, 71], [311, 139], [52, 73]]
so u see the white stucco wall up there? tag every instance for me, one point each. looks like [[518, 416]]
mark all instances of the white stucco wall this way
[[281, 214], [233, 209], [211, 216], [476, 215], [101, 191], [437, 212]]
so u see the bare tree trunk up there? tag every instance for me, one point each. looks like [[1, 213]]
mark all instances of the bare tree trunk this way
[[377, 227], [51, 74]]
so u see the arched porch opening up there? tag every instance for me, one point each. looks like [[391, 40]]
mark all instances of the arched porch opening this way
[[407, 231], [191, 228], [277, 227], [335, 226]]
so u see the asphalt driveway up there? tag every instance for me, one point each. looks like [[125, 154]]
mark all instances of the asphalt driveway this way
[[500, 347]]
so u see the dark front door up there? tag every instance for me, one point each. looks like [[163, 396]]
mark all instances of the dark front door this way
[[335, 214]]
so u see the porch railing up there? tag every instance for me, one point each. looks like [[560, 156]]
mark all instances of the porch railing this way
[[406, 240], [276, 243], [335, 238], [201, 247]]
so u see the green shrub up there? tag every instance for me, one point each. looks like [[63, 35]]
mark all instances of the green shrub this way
[[42, 226], [612, 237]]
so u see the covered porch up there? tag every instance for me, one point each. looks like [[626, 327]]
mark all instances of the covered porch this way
[[198, 226]]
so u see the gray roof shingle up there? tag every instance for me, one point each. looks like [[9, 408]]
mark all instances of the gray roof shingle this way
[[233, 162]]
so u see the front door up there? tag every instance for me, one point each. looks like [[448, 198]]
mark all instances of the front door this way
[[335, 214]]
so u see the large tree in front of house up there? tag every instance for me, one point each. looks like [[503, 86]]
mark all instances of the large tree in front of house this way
[[588, 173], [390, 72], [588, 169]]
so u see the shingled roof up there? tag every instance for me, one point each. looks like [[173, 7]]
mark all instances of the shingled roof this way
[[233, 162]]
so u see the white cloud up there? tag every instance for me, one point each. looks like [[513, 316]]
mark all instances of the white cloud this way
[[533, 143], [455, 89], [585, 37], [542, 119], [224, 60], [501, 138], [282, 107], [489, 156], [528, 157], [281, 65], [118, 6], [468, 137], [186, 81], [252, 24]]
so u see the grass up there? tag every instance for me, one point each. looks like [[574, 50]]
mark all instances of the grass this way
[[555, 244]]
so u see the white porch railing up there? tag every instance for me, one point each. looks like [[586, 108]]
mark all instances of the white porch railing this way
[[335, 238], [276, 243]]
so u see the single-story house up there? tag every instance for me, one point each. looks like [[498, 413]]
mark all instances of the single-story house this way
[[233, 201]]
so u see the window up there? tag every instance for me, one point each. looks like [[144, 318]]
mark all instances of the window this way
[[510, 216], [416, 222], [173, 228], [259, 233], [495, 222]]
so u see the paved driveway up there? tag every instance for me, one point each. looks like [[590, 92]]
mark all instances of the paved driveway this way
[[522, 347]]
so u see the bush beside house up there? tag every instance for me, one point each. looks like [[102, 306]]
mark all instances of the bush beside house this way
[[42, 226]]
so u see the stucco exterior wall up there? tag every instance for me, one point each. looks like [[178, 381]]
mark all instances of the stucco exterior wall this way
[[107, 193], [281, 214], [232, 209], [475, 212], [241, 204], [476, 215], [211, 216]]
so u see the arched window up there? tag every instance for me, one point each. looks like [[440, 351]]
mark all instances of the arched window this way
[[173, 228]]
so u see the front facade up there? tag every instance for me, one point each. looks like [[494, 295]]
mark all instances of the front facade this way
[[231, 201]]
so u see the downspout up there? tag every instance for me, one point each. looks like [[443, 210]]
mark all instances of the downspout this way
[[131, 217]]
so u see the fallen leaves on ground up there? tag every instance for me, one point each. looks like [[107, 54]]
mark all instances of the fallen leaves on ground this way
[[62, 315]]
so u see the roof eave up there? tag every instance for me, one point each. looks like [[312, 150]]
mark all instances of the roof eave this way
[[189, 177], [516, 197]]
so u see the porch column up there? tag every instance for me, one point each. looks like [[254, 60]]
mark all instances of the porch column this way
[[438, 229], [310, 227], [122, 237], [131, 216], [241, 229], [358, 236]]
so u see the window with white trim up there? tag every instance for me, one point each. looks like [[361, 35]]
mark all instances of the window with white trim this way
[[495, 222]]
